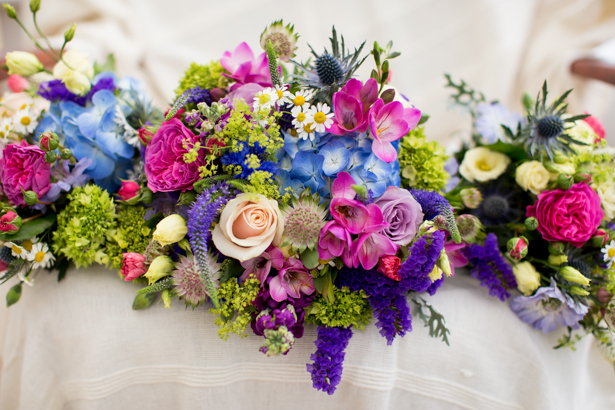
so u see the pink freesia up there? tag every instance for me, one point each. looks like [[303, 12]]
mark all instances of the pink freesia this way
[[351, 104], [370, 247], [128, 190], [244, 92], [244, 68], [455, 257], [17, 83], [335, 241], [292, 281], [389, 123], [261, 265], [133, 265]]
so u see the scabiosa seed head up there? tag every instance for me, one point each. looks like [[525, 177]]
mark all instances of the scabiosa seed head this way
[[303, 221], [189, 282]]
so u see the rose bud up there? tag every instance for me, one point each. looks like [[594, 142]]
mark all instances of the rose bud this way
[[531, 223], [17, 83], [66, 154], [10, 222], [517, 247], [50, 157], [133, 265], [29, 197], [572, 275], [556, 248], [129, 190], [160, 267], [600, 238], [147, 196], [604, 296], [389, 265], [582, 175], [564, 181], [471, 197], [213, 142], [216, 94], [48, 141], [145, 135]]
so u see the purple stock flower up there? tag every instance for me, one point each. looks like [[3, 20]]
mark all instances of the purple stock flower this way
[[548, 308], [293, 280], [327, 366], [273, 319], [261, 265], [491, 268]]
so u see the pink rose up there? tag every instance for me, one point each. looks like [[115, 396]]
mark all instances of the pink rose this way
[[128, 190], [596, 126], [133, 266], [164, 159], [568, 216], [24, 167]]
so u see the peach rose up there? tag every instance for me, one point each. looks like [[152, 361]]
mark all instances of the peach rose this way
[[248, 225]]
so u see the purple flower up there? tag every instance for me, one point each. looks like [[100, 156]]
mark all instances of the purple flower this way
[[327, 366], [393, 316], [244, 68], [388, 123], [368, 248], [260, 266], [491, 117], [335, 241], [490, 267], [403, 214], [273, 319], [548, 309], [293, 280], [351, 104], [424, 253]]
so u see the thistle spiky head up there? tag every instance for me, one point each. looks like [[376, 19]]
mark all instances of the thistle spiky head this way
[[283, 39], [303, 221]]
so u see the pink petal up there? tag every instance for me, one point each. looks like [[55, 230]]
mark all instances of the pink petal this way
[[276, 256], [389, 113], [241, 54], [348, 111], [277, 292], [347, 258], [342, 186], [353, 88], [384, 150], [375, 220], [369, 93], [358, 214], [412, 116], [335, 129]]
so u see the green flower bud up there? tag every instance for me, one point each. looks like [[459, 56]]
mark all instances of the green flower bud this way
[[166, 298], [572, 275], [575, 290], [13, 295], [66, 154], [35, 5], [471, 197], [557, 260], [388, 95], [48, 141], [531, 223], [50, 157], [10, 11], [160, 267], [29, 197], [564, 181], [556, 248], [70, 33], [528, 101]]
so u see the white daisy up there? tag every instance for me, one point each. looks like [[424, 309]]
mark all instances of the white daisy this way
[[6, 126], [300, 99], [322, 115], [17, 250], [302, 118], [283, 94], [307, 131], [265, 99], [24, 121], [609, 253], [40, 256]]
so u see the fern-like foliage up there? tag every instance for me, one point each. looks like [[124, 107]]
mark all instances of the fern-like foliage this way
[[432, 319]]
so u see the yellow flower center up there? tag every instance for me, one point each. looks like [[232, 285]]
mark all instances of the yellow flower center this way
[[25, 120], [308, 128], [301, 117], [483, 166], [320, 117], [264, 98], [23, 107], [16, 249], [27, 245], [299, 100], [293, 132], [611, 252], [280, 94], [38, 258]]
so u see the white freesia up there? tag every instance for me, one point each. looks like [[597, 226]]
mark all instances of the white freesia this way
[[482, 164], [532, 176], [528, 279]]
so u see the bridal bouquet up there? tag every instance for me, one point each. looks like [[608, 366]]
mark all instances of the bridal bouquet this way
[[536, 198], [280, 197]]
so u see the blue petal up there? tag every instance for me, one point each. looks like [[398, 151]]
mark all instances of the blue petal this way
[[290, 144], [307, 167], [102, 165], [357, 158], [111, 144], [104, 100], [88, 123], [336, 156]]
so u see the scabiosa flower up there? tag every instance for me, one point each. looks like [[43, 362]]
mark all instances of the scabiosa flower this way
[[327, 366], [491, 268], [548, 309], [188, 281], [546, 129], [304, 220], [282, 38]]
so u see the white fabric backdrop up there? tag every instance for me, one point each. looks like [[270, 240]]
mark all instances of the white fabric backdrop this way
[[78, 345]]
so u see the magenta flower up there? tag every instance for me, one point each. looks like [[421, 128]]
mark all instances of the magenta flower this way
[[389, 123], [23, 167], [351, 214], [292, 281], [260, 266], [351, 104], [455, 255], [335, 241], [244, 68], [370, 247]]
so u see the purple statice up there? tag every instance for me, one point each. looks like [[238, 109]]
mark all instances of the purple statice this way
[[491, 117], [392, 315], [198, 95], [490, 267], [433, 288], [327, 363], [372, 282], [548, 308], [55, 90], [433, 204], [200, 217], [424, 254]]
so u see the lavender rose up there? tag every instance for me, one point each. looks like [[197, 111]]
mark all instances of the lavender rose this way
[[24, 166], [164, 158], [403, 214]]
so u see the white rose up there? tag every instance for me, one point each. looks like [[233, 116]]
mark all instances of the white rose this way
[[555, 169], [532, 176], [606, 192], [528, 279], [482, 164]]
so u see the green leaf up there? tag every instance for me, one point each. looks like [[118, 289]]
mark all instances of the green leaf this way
[[319, 283], [14, 294], [62, 266], [233, 270], [328, 290], [423, 119], [31, 228], [153, 221], [309, 257], [514, 152], [143, 301], [186, 198], [108, 65]]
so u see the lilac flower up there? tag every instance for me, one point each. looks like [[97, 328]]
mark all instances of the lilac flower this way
[[261, 265], [491, 268], [490, 119], [326, 369], [548, 308]]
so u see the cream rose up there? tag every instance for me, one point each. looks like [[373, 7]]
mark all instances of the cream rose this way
[[606, 192], [528, 279], [171, 229], [248, 225], [532, 176], [482, 164]]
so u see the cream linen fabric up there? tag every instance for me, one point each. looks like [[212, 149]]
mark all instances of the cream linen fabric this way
[[78, 345]]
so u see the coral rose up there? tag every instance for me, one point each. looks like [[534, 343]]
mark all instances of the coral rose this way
[[248, 225], [24, 167], [568, 216], [164, 158]]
